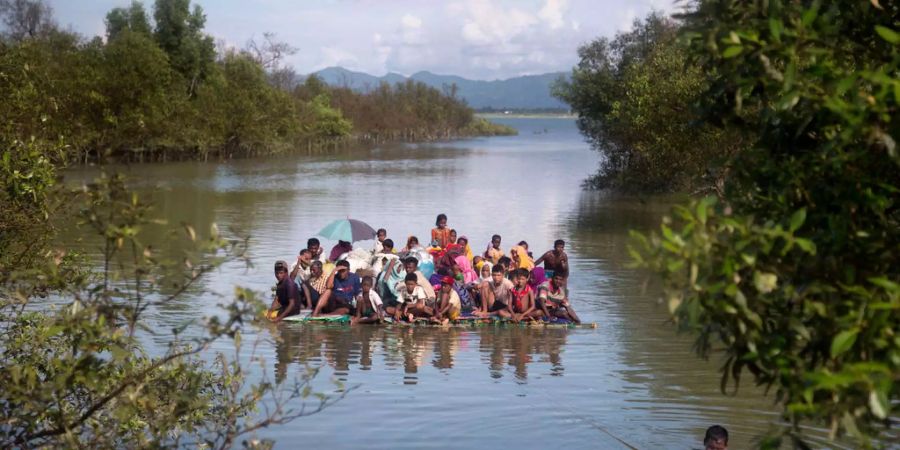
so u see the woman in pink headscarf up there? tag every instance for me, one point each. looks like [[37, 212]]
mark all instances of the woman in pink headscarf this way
[[469, 274]]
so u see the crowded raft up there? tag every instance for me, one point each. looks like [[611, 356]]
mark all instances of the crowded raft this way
[[442, 283]]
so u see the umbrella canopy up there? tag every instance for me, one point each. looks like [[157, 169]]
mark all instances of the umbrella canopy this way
[[350, 230]]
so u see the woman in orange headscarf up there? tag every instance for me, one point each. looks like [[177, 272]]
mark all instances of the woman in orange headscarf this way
[[520, 257]]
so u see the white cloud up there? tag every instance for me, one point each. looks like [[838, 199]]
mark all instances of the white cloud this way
[[487, 23], [411, 21], [483, 39], [552, 13]]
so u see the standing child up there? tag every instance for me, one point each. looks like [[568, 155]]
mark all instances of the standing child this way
[[493, 253], [440, 232], [380, 236], [369, 308]]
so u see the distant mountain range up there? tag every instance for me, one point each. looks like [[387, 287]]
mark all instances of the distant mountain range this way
[[525, 92]]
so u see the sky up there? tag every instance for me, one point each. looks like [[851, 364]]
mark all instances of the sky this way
[[476, 39]]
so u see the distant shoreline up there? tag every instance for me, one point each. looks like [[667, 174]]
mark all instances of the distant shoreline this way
[[526, 115]]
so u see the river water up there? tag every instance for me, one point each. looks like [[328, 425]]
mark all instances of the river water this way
[[630, 383]]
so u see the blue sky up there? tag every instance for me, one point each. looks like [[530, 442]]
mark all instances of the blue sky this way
[[479, 39]]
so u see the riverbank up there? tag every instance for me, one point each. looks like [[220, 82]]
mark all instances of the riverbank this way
[[478, 127], [525, 115]]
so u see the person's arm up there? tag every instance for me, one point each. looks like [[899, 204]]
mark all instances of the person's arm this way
[[538, 261], [390, 266], [285, 311], [306, 294], [295, 269], [329, 284], [564, 261], [543, 299]]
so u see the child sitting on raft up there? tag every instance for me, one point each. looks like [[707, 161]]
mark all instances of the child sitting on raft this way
[[449, 305], [553, 296], [412, 299], [369, 308], [521, 305], [496, 292]]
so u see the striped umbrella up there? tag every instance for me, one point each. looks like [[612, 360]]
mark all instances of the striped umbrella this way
[[350, 230]]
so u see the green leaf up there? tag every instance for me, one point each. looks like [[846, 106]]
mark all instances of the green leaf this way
[[843, 342], [809, 16], [797, 219], [888, 34], [806, 245], [732, 51], [775, 27], [878, 404], [884, 283]]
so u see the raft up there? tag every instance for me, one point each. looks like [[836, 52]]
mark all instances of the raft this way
[[461, 322]]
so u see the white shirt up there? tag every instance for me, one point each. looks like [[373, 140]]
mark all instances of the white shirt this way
[[374, 299], [410, 297], [302, 274]]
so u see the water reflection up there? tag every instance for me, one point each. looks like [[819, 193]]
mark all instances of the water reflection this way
[[502, 350]]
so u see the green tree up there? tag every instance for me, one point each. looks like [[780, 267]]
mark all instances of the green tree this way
[[137, 82], [133, 18], [634, 97], [795, 274], [179, 32]]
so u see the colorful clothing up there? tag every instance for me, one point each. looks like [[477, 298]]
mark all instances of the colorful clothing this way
[[524, 261], [347, 289], [538, 278], [518, 298], [319, 284], [339, 249], [552, 297], [468, 273], [441, 235], [455, 305], [493, 254]]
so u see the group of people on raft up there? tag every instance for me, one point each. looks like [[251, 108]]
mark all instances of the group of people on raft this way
[[513, 287]]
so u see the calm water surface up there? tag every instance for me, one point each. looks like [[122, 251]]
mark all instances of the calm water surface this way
[[630, 382]]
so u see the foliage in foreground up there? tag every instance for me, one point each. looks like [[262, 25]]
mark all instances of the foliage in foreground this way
[[72, 367], [795, 274]]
